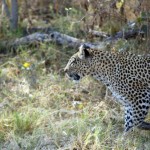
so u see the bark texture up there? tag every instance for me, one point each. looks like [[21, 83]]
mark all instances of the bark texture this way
[[14, 15]]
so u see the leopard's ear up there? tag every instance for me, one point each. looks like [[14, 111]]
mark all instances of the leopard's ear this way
[[84, 51]]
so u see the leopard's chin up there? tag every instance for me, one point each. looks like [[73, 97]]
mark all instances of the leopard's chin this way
[[74, 76]]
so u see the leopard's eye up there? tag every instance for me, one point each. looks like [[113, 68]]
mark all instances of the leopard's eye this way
[[73, 61]]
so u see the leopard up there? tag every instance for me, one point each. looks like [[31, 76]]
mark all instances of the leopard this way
[[125, 74]]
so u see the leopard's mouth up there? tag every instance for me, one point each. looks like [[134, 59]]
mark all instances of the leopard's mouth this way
[[73, 76]]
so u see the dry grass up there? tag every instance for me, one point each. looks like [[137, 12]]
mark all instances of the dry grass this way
[[53, 113]]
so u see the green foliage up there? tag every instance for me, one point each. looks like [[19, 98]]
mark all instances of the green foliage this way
[[112, 26], [23, 123], [6, 33], [145, 16], [70, 23]]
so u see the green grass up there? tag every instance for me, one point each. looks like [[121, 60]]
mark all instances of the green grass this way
[[6, 32]]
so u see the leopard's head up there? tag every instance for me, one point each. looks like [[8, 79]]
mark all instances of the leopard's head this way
[[79, 64]]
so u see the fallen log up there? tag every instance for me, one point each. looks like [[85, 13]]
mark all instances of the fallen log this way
[[35, 38], [62, 39], [132, 33]]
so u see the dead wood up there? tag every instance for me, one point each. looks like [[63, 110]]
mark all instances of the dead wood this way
[[48, 35], [132, 33]]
